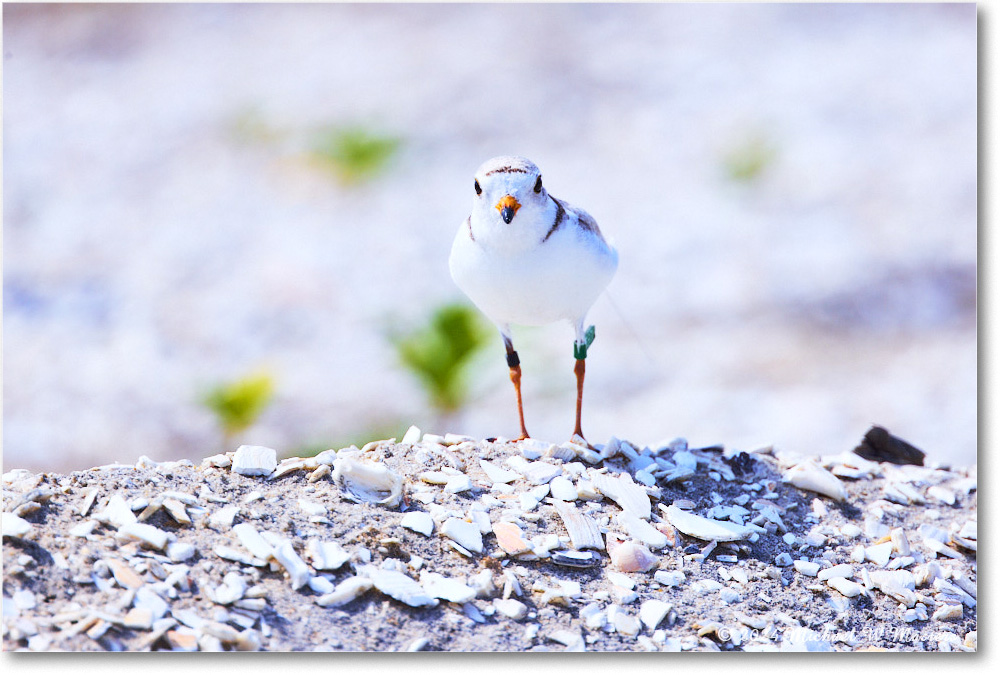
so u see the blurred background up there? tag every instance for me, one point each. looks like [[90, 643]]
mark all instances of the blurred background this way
[[228, 224]]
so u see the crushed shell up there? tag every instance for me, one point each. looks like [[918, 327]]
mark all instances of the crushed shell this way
[[623, 490], [707, 529], [810, 476], [510, 538], [375, 483], [399, 586], [632, 556], [254, 460], [583, 530]]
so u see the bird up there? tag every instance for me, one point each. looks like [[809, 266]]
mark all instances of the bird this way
[[525, 257]]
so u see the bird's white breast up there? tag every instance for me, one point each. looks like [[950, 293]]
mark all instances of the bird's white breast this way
[[558, 279]]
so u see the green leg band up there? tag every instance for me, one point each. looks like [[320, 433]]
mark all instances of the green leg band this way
[[580, 351]]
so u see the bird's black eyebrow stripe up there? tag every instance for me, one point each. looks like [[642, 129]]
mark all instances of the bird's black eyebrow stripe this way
[[506, 169], [560, 214]]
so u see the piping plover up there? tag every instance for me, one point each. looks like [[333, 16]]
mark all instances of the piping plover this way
[[525, 257]]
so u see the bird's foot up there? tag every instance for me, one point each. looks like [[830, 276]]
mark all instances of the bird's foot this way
[[578, 439]]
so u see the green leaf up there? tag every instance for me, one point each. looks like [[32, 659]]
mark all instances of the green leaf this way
[[238, 404], [438, 353], [748, 160], [354, 153]]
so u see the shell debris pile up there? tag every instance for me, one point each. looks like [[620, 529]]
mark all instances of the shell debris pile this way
[[444, 542]]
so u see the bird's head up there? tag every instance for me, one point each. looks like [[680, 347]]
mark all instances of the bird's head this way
[[506, 186]]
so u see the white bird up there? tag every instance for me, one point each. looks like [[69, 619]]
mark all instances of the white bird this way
[[525, 257]]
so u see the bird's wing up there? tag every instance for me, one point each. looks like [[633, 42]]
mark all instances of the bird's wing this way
[[584, 219]]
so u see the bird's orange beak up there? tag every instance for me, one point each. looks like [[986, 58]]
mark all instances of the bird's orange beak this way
[[507, 207]]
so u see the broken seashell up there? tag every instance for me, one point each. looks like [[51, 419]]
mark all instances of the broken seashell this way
[[513, 609], [253, 541], [346, 591], [539, 473], [254, 460], [639, 529], [706, 529], [368, 482], [496, 473], [898, 584], [810, 476], [147, 534], [326, 555], [510, 538], [464, 533], [418, 521], [623, 490], [562, 488], [298, 571], [15, 526], [583, 530], [399, 586], [632, 556], [576, 558], [452, 590]]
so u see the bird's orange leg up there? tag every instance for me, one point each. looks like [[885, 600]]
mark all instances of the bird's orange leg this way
[[515, 377], [580, 369], [514, 363]]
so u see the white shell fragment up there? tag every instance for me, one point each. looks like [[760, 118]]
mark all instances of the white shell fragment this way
[[253, 542], [563, 488], [706, 528], [147, 534], [624, 491], [368, 482], [846, 587], [348, 590], [810, 476], [496, 473], [15, 526], [412, 436], [326, 555], [632, 556], [898, 584], [254, 460], [652, 612], [809, 569], [639, 529], [452, 590], [583, 530], [418, 521], [116, 512], [463, 533], [511, 608], [539, 473], [399, 586], [298, 571]]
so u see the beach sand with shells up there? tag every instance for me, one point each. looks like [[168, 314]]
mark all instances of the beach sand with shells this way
[[458, 544]]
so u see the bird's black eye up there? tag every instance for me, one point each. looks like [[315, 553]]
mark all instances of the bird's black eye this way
[[538, 184], [479, 190]]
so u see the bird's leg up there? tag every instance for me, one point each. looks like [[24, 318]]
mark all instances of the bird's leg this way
[[514, 363], [583, 340], [580, 369]]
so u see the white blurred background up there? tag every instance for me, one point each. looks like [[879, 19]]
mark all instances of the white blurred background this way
[[792, 190]]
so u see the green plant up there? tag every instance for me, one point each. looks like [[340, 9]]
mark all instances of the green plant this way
[[239, 403], [354, 153], [439, 352], [746, 161]]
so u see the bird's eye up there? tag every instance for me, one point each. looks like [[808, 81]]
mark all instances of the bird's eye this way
[[538, 184], [479, 190]]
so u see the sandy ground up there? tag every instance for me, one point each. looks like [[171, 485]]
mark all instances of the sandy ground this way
[[164, 228], [157, 555]]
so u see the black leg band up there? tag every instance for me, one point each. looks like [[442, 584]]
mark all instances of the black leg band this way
[[512, 360]]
